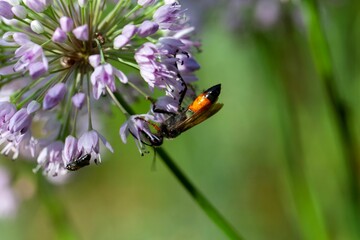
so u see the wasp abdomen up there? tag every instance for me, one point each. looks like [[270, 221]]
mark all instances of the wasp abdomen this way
[[206, 99]]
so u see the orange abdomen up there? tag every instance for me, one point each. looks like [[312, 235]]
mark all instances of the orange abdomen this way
[[201, 102]]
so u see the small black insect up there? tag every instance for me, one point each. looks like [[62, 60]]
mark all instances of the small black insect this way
[[100, 38], [80, 162]]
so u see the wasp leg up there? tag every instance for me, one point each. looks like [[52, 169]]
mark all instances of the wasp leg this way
[[183, 83], [182, 92]]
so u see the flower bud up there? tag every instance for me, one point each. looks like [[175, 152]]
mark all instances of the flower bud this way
[[19, 11], [78, 100], [37, 27], [145, 3], [120, 41], [82, 32], [95, 60], [70, 149], [82, 3], [129, 30], [66, 23], [59, 36], [54, 96], [147, 28], [5, 10], [37, 69], [21, 38], [37, 5]]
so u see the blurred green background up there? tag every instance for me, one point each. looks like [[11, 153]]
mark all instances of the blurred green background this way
[[277, 161]]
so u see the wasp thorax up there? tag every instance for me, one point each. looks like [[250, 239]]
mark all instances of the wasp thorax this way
[[66, 61]]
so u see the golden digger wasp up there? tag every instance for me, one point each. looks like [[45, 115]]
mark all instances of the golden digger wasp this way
[[203, 107]]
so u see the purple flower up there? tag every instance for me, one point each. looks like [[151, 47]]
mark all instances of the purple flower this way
[[20, 122], [7, 110], [94, 60], [54, 96], [170, 17], [120, 41], [138, 127], [31, 55], [70, 151], [5, 10], [37, 5], [167, 103], [16, 128], [55, 58], [129, 31], [104, 76], [89, 144], [59, 36], [147, 28], [66, 24], [187, 64], [50, 159], [37, 69], [19, 11], [170, 45], [18, 38], [82, 32], [78, 100], [159, 74]]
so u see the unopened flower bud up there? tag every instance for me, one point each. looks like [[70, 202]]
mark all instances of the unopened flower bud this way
[[54, 96], [147, 28], [59, 36], [19, 11], [120, 41], [94, 60], [129, 30], [5, 10], [82, 3], [37, 27], [145, 3], [37, 5], [82, 32], [66, 23], [78, 100]]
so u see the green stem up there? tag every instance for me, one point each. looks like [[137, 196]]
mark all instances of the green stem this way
[[324, 65], [199, 198], [309, 217]]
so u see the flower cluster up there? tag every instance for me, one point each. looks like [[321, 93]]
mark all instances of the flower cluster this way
[[62, 61]]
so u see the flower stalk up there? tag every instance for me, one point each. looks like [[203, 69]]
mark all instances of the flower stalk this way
[[198, 197], [322, 58]]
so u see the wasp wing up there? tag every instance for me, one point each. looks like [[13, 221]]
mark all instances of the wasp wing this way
[[197, 118]]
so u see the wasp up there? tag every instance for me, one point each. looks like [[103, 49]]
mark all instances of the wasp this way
[[78, 163], [203, 107]]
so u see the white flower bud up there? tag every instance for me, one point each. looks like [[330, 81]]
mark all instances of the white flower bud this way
[[19, 11], [82, 3], [37, 27]]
